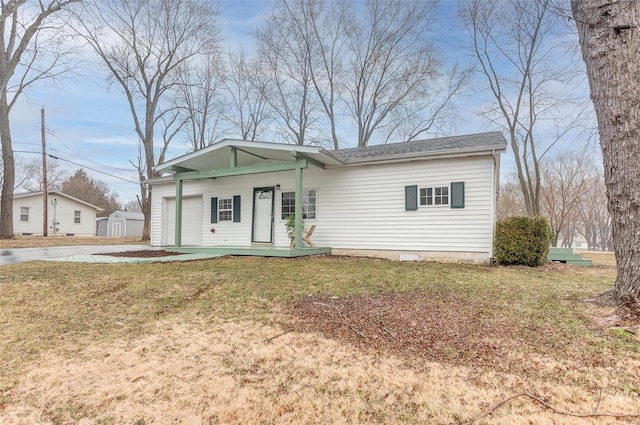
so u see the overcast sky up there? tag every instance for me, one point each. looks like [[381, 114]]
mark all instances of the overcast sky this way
[[90, 124]]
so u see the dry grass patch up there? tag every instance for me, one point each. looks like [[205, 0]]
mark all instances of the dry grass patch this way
[[248, 372], [39, 241], [242, 340], [599, 258]]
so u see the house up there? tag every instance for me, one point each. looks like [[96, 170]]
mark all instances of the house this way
[[420, 200], [125, 224], [66, 215]]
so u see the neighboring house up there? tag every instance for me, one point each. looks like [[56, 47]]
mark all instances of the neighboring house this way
[[102, 226], [420, 200], [66, 215], [125, 224]]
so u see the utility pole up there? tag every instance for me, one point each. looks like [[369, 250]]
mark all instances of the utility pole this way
[[45, 188]]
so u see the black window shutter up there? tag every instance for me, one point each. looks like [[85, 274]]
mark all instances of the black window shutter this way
[[411, 198], [214, 210], [457, 195], [236, 208]]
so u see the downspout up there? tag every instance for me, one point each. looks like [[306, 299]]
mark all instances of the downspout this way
[[495, 195]]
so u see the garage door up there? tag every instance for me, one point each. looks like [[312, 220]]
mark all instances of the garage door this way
[[191, 221]]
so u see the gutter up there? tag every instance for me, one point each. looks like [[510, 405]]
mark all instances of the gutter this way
[[159, 180]]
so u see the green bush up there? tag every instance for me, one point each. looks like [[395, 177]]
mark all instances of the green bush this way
[[522, 241]]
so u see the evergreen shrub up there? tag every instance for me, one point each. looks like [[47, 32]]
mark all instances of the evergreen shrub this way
[[522, 241]]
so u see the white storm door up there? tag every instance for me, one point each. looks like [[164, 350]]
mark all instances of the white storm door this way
[[262, 215]]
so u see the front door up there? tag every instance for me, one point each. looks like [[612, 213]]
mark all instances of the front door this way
[[262, 215]]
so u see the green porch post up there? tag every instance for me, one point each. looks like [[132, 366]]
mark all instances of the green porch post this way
[[178, 239], [298, 209], [234, 157]]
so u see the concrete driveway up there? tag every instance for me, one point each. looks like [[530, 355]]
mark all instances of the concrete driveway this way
[[20, 255]]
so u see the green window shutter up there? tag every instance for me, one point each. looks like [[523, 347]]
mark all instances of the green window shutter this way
[[214, 210], [410, 198], [236, 208], [457, 195]]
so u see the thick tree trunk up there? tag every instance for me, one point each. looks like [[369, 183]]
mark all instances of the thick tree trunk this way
[[146, 211], [6, 198], [610, 41], [150, 161]]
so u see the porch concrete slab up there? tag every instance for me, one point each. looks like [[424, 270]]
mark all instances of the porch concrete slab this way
[[108, 259], [21, 255]]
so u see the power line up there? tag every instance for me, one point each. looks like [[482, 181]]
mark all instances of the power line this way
[[91, 160], [73, 152], [93, 169], [81, 165]]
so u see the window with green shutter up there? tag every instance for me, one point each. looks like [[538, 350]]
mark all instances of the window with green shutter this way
[[438, 195], [226, 209], [452, 195]]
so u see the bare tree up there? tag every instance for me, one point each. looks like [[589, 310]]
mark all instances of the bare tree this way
[[201, 103], [526, 71], [327, 25], [565, 181], [608, 32], [32, 172], [21, 175], [304, 42], [143, 43], [283, 45], [394, 68], [31, 51], [595, 220], [132, 205], [510, 202], [249, 88]]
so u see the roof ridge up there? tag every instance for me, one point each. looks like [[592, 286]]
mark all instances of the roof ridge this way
[[428, 140], [441, 145]]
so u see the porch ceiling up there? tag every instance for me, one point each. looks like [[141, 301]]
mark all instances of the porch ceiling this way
[[218, 156]]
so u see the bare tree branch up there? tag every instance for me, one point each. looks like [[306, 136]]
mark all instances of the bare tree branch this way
[[28, 35], [514, 44], [143, 44]]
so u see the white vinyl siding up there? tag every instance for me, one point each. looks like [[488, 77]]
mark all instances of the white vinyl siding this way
[[362, 207], [64, 211]]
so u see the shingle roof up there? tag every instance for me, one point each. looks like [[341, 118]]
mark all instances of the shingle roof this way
[[130, 215], [443, 145], [56, 193]]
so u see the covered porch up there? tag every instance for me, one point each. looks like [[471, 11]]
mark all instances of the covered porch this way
[[235, 158]]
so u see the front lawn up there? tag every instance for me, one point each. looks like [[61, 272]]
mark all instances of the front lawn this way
[[310, 340], [60, 240]]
